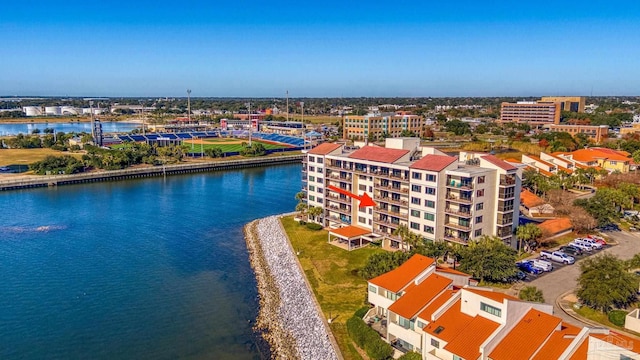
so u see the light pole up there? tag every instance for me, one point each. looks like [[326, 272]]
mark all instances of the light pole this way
[[287, 105], [248, 104], [189, 105]]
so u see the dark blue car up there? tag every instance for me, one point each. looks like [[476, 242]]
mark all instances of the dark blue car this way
[[528, 267]]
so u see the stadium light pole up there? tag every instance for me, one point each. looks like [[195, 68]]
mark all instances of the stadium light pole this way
[[189, 105], [248, 104], [287, 105]]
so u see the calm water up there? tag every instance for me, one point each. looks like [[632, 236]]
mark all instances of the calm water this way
[[27, 128], [153, 268]]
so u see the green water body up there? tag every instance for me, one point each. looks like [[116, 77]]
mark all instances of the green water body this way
[[154, 268]]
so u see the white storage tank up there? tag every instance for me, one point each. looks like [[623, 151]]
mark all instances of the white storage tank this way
[[53, 110], [32, 110], [68, 110]]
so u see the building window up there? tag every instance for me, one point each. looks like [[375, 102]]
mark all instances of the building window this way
[[429, 229], [430, 203], [490, 309], [319, 200], [420, 324], [480, 193], [311, 158], [478, 219], [416, 175], [415, 200], [477, 233], [321, 190], [312, 188], [416, 188], [481, 179], [362, 187], [479, 206], [613, 162], [312, 198], [430, 191], [320, 160], [429, 216], [361, 219], [415, 226], [435, 343], [415, 213], [456, 357], [431, 178], [312, 168], [320, 180], [312, 178], [319, 170]]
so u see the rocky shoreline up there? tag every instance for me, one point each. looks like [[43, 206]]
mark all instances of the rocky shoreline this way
[[288, 318]]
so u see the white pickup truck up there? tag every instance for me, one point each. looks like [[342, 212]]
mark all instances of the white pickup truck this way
[[557, 256]]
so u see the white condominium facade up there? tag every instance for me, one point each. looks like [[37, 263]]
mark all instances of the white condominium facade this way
[[437, 196]]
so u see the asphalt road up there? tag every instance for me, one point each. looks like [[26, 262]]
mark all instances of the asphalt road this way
[[564, 277]]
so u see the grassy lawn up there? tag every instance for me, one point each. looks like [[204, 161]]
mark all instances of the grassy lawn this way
[[231, 147], [331, 271], [314, 119], [28, 156]]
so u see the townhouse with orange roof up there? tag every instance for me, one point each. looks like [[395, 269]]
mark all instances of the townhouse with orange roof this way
[[446, 319], [597, 158], [436, 196]]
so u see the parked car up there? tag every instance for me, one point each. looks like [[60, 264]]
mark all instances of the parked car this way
[[557, 256], [571, 250], [542, 264], [594, 243], [528, 268], [610, 227], [581, 245], [518, 276], [597, 238]]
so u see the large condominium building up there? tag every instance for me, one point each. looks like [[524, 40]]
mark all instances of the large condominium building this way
[[531, 112], [435, 195], [567, 103], [377, 125], [439, 314]]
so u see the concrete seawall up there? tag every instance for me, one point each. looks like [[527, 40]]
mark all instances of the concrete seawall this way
[[125, 174]]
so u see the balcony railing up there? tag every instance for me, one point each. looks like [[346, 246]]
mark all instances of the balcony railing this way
[[505, 208], [399, 190], [390, 212], [459, 213], [459, 185], [459, 199], [344, 200], [458, 226], [399, 176], [504, 221], [386, 223], [507, 182], [339, 209], [506, 196], [339, 177], [340, 220], [389, 200]]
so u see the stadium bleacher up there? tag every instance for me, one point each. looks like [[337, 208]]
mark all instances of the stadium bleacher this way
[[283, 139]]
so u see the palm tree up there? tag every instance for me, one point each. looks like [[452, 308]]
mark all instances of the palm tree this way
[[302, 208], [406, 236], [314, 211], [531, 293]]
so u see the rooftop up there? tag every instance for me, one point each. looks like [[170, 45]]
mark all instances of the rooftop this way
[[395, 280], [592, 154], [380, 154], [436, 304], [324, 149], [350, 232], [529, 334], [449, 324], [529, 199], [467, 344], [499, 163], [557, 343], [409, 304], [555, 226], [490, 294], [433, 162]]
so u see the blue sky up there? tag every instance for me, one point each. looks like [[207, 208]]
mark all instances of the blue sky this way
[[319, 49]]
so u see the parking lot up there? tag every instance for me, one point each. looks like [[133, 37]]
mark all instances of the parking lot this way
[[557, 266]]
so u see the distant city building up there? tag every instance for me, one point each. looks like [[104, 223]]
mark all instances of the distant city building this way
[[597, 133], [437, 196], [567, 103], [378, 125], [530, 112]]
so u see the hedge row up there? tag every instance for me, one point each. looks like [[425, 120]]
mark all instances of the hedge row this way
[[368, 339]]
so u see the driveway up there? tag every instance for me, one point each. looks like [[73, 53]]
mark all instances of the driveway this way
[[564, 279]]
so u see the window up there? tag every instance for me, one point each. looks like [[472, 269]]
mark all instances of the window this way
[[613, 162], [481, 179], [478, 219], [490, 309], [312, 198], [477, 233], [312, 178], [312, 168], [320, 160], [480, 193], [311, 158], [430, 203], [417, 188], [312, 188], [416, 175], [415, 213], [415, 200], [431, 178], [362, 187], [319, 200], [415, 226], [373, 289], [319, 170], [321, 190], [392, 296], [320, 180], [361, 219], [420, 324], [429, 216], [429, 229], [480, 206], [430, 191], [362, 210], [435, 343], [456, 357]]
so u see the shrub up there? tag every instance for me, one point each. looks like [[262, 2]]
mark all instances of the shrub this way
[[314, 226], [411, 356], [368, 339], [360, 313], [617, 317], [302, 222]]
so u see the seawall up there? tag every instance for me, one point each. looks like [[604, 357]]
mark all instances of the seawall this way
[[153, 171]]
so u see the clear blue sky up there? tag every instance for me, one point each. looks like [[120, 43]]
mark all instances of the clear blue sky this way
[[319, 48]]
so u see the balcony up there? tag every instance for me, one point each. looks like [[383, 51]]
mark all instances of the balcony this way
[[339, 209], [504, 209], [504, 221], [459, 213], [506, 196], [398, 190], [343, 200], [460, 199], [458, 226], [339, 177], [389, 200], [507, 181], [399, 177], [339, 220], [386, 223], [390, 212], [338, 168], [460, 185]]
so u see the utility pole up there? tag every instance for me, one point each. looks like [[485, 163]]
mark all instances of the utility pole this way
[[287, 105], [248, 104]]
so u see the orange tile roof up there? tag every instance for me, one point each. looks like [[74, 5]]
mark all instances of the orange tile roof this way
[[448, 270], [581, 351], [350, 231], [557, 343], [436, 304], [529, 199], [376, 153], [620, 340], [512, 160], [555, 226], [324, 149], [395, 280], [409, 304], [451, 321], [526, 337], [467, 344], [541, 171], [489, 294], [499, 163], [433, 162], [591, 154], [559, 158], [535, 158], [562, 168]]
